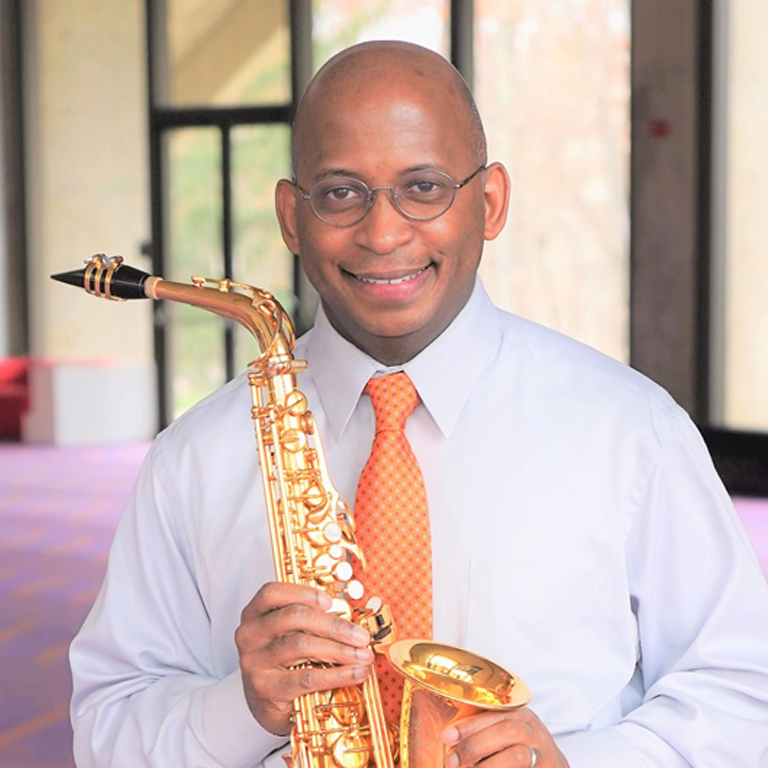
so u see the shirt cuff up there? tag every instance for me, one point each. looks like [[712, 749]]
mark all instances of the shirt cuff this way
[[233, 733]]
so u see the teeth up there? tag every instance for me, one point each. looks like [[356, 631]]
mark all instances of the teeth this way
[[393, 281]]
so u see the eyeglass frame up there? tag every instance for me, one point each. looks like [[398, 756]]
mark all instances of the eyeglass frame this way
[[371, 198]]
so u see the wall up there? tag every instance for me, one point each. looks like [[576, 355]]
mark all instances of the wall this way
[[87, 186], [665, 266], [4, 331]]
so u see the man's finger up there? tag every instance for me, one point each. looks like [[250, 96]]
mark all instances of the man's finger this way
[[516, 756], [471, 725], [277, 594], [298, 647], [505, 734], [302, 618], [290, 684], [259, 633]]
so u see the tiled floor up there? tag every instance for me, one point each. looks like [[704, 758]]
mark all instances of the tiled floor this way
[[58, 510]]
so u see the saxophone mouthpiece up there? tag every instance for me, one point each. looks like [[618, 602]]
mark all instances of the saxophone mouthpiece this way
[[107, 278]]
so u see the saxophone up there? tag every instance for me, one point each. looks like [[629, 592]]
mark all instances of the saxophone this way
[[313, 543]]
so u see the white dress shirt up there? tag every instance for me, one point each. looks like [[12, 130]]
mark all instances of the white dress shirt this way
[[580, 538]]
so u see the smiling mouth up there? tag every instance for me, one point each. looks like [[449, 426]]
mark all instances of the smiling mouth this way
[[389, 281]]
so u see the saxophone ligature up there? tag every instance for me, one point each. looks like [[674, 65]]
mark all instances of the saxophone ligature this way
[[313, 543]]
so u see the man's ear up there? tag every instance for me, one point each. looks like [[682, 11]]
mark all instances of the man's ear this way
[[285, 206], [496, 194]]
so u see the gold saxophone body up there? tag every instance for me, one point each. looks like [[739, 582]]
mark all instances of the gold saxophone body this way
[[313, 543]]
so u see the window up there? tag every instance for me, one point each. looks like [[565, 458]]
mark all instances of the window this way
[[740, 184], [222, 83], [552, 82]]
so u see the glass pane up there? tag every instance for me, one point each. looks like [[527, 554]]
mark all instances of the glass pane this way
[[195, 337], [260, 156], [337, 24], [745, 282], [552, 84], [227, 52]]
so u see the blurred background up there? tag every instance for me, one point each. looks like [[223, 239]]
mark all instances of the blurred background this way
[[634, 134], [157, 128]]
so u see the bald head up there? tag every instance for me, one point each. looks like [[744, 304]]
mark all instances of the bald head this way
[[373, 68], [382, 130]]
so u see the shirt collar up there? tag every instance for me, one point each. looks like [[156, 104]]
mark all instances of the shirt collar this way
[[444, 373]]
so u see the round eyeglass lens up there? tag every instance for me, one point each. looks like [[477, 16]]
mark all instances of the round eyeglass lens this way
[[339, 200], [424, 194]]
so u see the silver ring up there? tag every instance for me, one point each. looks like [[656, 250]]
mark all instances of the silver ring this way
[[534, 757]]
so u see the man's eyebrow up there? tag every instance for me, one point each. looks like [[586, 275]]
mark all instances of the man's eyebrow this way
[[335, 172], [329, 172], [424, 167]]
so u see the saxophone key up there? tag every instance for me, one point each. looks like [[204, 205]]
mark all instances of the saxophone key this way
[[295, 403], [355, 590], [374, 605], [315, 498], [293, 440], [341, 607], [332, 532], [324, 567], [350, 751], [343, 571]]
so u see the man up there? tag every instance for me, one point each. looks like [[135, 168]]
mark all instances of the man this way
[[579, 535]]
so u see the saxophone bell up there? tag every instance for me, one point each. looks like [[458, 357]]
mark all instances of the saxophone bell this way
[[444, 684]]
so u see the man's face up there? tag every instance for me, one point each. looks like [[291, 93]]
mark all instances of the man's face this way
[[389, 284]]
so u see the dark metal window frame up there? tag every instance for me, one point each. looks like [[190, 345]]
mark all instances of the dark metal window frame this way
[[14, 202]]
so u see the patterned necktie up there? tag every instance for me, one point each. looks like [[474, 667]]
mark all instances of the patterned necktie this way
[[392, 525]]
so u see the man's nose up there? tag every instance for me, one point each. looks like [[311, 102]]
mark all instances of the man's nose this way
[[384, 227]]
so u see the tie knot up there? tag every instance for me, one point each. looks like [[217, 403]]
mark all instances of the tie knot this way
[[393, 398]]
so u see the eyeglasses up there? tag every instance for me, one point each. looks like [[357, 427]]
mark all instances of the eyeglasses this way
[[342, 201]]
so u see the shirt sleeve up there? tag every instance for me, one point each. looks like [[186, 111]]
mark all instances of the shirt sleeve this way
[[701, 603], [146, 688]]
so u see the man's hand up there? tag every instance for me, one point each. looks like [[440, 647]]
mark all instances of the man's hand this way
[[285, 625], [502, 740]]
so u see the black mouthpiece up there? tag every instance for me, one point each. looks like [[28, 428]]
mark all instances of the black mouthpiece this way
[[124, 282]]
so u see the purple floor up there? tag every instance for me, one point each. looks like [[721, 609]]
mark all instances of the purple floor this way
[[58, 510]]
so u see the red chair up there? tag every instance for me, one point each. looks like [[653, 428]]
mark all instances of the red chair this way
[[14, 396]]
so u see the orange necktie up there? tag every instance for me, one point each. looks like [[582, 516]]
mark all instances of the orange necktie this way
[[392, 525]]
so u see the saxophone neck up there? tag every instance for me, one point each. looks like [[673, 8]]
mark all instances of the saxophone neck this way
[[256, 310]]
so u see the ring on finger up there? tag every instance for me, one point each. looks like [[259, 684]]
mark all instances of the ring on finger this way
[[534, 757]]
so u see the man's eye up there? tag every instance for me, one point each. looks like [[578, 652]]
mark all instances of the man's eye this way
[[423, 189], [340, 194]]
